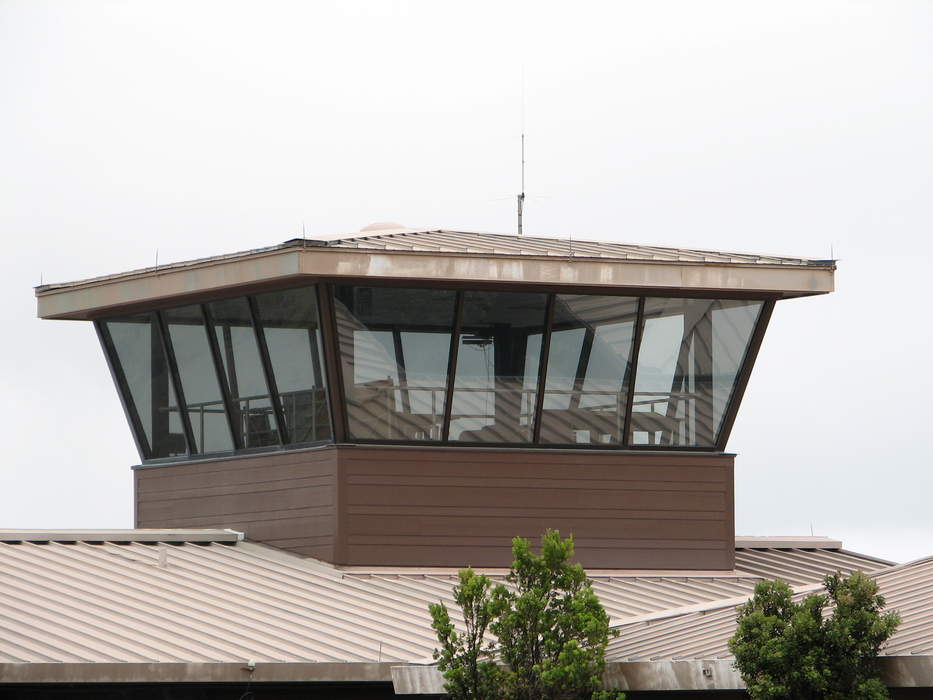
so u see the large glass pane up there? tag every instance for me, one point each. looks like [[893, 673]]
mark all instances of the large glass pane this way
[[394, 349], [141, 365], [690, 355], [253, 413], [588, 368], [198, 377], [497, 367], [292, 330], [733, 325]]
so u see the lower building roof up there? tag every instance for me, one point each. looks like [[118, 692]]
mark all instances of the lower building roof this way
[[704, 632], [207, 597]]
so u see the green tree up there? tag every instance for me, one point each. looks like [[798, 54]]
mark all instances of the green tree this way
[[792, 651], [552, 629], [465, 658]]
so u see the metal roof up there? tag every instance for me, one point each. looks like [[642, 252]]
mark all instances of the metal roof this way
[[480, 243], [82, 597], [464, 257], [450, 241], [703, 633]]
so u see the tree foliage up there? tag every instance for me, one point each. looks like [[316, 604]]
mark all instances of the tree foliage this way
[[465, 658], [793, 651], [552, 630]]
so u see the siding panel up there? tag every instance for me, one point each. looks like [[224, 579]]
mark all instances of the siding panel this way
[[283, 499], [417, 506], [452, 507]]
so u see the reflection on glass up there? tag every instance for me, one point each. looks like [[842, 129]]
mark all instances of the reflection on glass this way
[[691, 352], [733, 325], [254, 415], [198, 377], [497, 367], [292, 331], [394, 348], [588, 369], [140, 361]]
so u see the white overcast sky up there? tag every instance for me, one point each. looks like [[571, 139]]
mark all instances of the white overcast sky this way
[[199, 128]]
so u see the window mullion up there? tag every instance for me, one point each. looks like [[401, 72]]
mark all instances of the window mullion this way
[[234, 420], [332, 362], [741, 381], [267, 370], [169, 352], [542, 367], [123, 390], [452, 364], [630, 380]]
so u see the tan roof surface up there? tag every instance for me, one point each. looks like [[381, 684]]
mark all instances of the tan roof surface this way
[[802, 565], [703, 633], [67, 600], [450, 256], [474, 242], [506, 244]]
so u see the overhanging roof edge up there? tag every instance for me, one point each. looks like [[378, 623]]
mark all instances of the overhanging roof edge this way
[[187, 672], [673, 675], [82, 299]]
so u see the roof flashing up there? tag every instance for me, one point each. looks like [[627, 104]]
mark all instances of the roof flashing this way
[[192, 536], [444, 257]]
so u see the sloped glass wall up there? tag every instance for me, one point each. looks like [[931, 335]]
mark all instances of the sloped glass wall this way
[[289, 324], [431, 366], [142, 375], [394, 349], [690, 354], [498, 360], [588, 370], [251, 409], [247, 373], [189, 345]]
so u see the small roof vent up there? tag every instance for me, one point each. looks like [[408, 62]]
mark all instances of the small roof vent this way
[[382, 226]]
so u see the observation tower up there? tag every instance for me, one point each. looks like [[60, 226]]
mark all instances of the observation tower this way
[[408, 397]]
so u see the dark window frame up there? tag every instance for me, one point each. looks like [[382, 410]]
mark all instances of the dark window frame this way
[[230, 409], [123, 391], [266, 362], [193, 448], [335, 391]]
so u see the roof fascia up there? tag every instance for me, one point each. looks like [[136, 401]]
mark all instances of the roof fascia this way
[[914, 671], [201, 536], [88, 299], [260, 672]]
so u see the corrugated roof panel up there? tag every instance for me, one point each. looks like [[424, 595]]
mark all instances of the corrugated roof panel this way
[[801, 565], [704, 634], [504, 244], [214, 602]]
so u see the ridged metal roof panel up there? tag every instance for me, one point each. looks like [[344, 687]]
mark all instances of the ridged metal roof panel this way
[[474, 242], [78, 600], [704, 633], [482, 244]]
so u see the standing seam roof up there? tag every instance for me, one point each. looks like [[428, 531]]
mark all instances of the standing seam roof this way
[[704, 633], [69, 600]]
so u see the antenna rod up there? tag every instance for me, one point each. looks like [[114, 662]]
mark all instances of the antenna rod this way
[[521, 197]]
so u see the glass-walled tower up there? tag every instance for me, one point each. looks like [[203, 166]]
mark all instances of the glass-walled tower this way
[[420, 397]]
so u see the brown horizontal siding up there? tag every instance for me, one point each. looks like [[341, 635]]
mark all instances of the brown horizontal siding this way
[[611, 558], [412, 506], [588, 530], [453, 507], [283, 499]]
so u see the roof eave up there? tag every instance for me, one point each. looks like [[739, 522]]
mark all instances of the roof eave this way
[[88, 299], [671, 675], [156, 672]]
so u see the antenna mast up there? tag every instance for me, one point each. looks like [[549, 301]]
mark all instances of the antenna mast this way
[[521, 197]]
